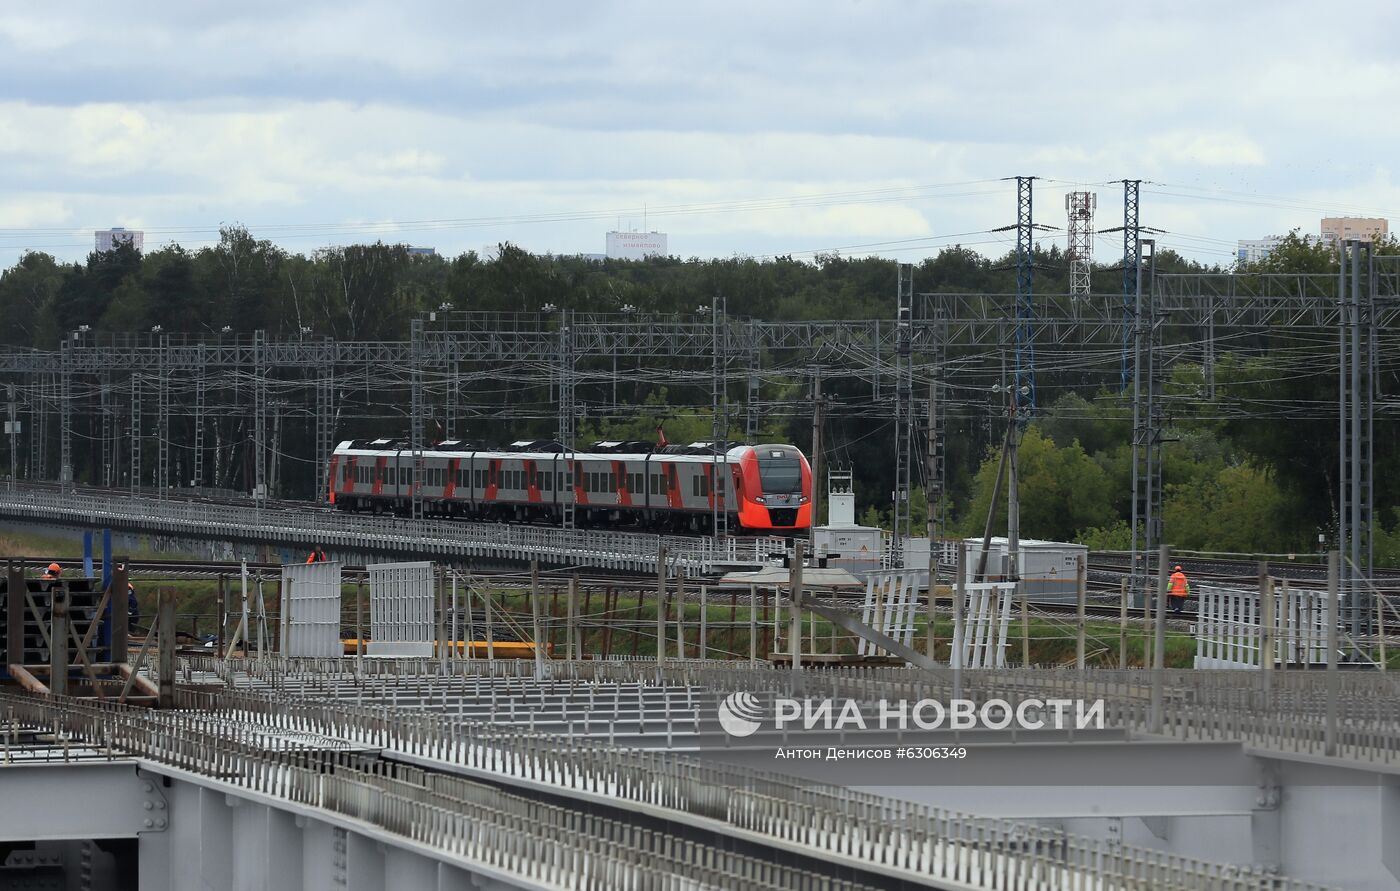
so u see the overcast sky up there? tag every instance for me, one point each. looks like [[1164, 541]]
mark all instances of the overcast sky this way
[[755, 128]]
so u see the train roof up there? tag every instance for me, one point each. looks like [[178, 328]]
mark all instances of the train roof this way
[[607, 450]]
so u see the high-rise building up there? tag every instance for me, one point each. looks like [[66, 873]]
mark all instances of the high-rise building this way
[[1252, 250], [1338, 229], [636, 245], [106, 239]]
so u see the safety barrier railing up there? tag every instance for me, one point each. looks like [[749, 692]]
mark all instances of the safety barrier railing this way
[[1353, 715], [849, 828], [467, 821], [623, 551]]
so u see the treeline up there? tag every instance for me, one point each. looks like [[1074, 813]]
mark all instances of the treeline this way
[[371, 292], [1250, 470]]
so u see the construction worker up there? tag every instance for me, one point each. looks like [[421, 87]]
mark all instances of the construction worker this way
[[133, 608], [52, 574], [1178, 589], [317, 555]]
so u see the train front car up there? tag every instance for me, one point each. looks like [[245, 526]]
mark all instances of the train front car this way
[[775, 490]]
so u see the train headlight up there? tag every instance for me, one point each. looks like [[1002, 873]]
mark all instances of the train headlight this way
[[803, 499], [760, 499]]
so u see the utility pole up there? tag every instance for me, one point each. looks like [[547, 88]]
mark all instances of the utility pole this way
[[903, 412], [13, 429], [817, 481], [721, 480], [1145, 521]]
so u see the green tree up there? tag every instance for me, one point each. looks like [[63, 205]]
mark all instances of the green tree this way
[[27, 290], [1062, 491], [1236, 510]]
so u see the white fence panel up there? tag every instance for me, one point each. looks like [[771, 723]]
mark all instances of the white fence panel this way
[[891, 599], [400, 609], [1230, 627], [986, 624], [311, 610]]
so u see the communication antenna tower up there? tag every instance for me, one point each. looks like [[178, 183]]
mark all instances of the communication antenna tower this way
[[1079, 206]]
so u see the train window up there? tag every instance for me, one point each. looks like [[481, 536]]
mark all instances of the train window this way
[[704, 485]]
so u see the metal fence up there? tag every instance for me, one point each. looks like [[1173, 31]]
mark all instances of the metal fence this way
[[460, 820], [889, 605], [401, 609], [1230, 628], [847, 828], [311, 610], [981, 642], [621, 551]]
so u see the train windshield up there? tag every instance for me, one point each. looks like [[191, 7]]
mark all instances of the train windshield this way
[[779, 472]]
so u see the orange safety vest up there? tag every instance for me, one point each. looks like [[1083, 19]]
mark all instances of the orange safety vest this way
[[1179, 587]]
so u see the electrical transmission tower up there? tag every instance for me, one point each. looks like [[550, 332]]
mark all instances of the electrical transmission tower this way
[[1079, 208], [1025, 298], [1131, 234]]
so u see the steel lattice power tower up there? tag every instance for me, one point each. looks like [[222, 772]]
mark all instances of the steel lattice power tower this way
[[1131, 234], [1079, 207], [1025, 299]]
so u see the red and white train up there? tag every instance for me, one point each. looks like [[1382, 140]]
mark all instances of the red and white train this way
[[634, 484]]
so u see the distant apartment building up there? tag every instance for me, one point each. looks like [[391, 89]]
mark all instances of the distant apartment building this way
[[1338, 229], [1252, 250], [636, 245], [107, 239], [421, 251]]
